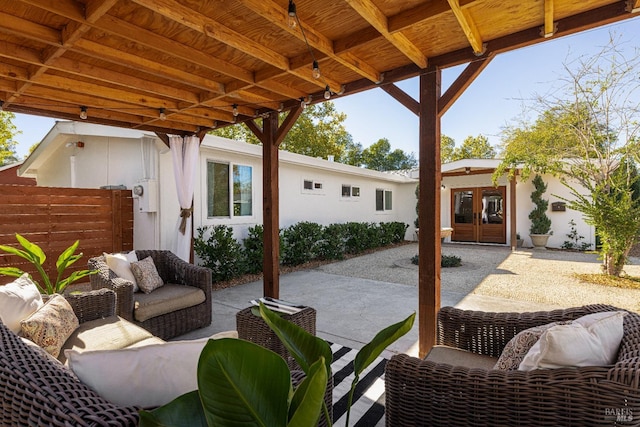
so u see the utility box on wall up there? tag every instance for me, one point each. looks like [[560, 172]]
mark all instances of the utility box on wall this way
[[147, 193]]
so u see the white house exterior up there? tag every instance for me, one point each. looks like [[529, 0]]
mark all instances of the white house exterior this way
[[83, 155], [473, 176]]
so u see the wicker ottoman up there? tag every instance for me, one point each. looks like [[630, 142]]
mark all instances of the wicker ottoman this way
[[253, 328]]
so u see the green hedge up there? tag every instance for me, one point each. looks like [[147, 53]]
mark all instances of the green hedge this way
[[299, 244]]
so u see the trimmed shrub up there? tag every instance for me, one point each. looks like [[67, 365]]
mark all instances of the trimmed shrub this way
[[253, 250], [300, 243], [446, 261], [332, 245], [220, 252]]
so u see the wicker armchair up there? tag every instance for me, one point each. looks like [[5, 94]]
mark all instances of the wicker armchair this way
[[36, 390], [423, 393], [172, 270]]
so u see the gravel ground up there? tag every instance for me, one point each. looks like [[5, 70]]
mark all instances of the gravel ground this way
[[544, 276]]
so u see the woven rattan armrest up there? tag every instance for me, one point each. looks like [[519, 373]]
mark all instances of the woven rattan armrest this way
[[106, 278], [93, 305], [487, 332]]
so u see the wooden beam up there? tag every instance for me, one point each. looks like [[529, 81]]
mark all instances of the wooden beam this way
[[468, 25], [402, 97], [429, 210], [374, 16], [513, 212], [549, 26], [463, 81], [274, 13]]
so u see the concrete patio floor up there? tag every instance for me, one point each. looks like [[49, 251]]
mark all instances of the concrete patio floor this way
[[356, 298]]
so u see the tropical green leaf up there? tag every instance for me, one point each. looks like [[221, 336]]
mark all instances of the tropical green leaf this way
[[309, 397], [36, 252], [15, 251], [242, 383], [382, 340], [304, 347], [184, 411], [67, 257], [11, 271]]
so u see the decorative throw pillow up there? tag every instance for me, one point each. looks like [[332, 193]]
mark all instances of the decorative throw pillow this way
[[591, 340], [121, 265], [146, 275], [19, 300], [52, 325], [146, 376], [518, 347]]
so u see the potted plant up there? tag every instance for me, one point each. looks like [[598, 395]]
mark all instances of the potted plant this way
[[540, 223], [519, 240], [36, 256], [241, 383]]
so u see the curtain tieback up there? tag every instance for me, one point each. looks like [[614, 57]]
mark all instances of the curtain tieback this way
[[184, 214]]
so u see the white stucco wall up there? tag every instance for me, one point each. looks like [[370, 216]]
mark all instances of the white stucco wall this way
[[559, 220]]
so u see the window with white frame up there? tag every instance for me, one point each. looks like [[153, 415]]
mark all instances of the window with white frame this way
[[383, 200], [229, 190], [350, 191], [311, 186]]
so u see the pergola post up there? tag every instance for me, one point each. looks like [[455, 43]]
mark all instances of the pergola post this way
[[271, 135], [429, 210], [270, 208], [513, 212]]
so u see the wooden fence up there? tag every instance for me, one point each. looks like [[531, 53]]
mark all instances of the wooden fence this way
[[54, 218]]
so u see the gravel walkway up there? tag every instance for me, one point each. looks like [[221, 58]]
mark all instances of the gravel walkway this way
[[525, 275]]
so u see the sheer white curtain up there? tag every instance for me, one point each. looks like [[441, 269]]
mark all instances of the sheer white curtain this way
[[185, 161]]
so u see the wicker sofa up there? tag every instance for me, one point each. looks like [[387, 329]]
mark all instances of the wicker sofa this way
[[426, 393], [182, 275], [37, 390]]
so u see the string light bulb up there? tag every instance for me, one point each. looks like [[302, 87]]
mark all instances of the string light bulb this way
[[83, 112], [235, 110], [291, 15], [316, 70], [327, 93], [163, 115], [302, 103]]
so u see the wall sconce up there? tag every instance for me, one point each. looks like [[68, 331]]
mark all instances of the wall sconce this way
[[467, 170], [442, 186]]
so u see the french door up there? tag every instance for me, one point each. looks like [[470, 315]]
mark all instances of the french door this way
[[477, 215]]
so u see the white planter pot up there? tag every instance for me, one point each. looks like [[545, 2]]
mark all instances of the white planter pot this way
[[539, 241]]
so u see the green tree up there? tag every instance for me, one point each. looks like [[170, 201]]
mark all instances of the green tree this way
[[318, 132], [7, 144], [587, 132], [378, 156], [447, 147], [474, 147]]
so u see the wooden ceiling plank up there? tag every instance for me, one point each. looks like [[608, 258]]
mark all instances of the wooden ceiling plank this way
[[355, 40], [186, 16], [468, 26], [23, 28], [374, 16], [29, 56], [152, 40], [276, 14], [208, 113], [69, 9], [142, 64], [409, 17], [104, 92]]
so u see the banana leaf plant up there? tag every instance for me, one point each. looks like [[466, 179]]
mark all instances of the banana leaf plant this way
[[36, 256], [241, 383]]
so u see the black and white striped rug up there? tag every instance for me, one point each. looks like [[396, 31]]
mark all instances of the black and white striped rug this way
[[367, 409]]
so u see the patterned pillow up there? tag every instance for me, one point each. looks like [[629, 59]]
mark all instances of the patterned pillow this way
[[52, 325], [519, 346], [146, 275]]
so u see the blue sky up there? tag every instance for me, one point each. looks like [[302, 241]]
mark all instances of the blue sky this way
[[493, 100]]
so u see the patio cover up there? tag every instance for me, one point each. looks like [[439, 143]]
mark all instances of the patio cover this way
[[183, 67]]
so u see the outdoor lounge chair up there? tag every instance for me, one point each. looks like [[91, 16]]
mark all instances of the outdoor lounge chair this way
[[424, 393], [173, 270]]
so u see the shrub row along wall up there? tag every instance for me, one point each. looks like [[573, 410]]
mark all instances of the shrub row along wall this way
[[299, 243], [54, 218]]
